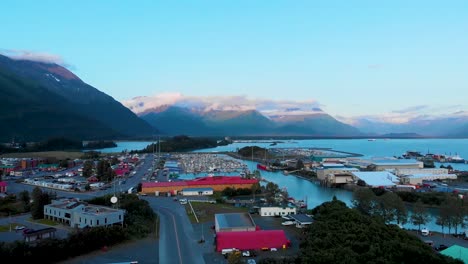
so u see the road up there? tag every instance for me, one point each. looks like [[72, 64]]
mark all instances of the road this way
[[178, 243]]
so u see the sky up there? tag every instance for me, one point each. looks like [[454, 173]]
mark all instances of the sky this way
[[351, 58]]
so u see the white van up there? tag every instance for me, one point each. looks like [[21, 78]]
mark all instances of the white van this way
[[183, 201], [425, 232]]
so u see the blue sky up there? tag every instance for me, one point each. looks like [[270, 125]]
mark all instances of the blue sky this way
[[352, 57]]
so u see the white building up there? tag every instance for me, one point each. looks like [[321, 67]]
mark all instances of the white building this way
[[416, 179], [377, 178], [197, 191], [275, 211], [402, 172], [79, 214]]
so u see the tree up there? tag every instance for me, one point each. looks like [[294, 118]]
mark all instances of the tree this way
[[343, 235], [390, 207], [87, 168], [25, 199], [419, 215], [443, 217], [364, 201], [40, 199], [454, 212], [299, 164]]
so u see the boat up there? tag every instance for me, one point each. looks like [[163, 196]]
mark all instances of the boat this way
[[263, 167], [455, 159], [371, 139]]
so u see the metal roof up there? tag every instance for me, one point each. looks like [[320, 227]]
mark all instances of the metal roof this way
[[234, 220], [302, 218]]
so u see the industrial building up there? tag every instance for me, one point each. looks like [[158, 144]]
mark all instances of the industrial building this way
[[334, 176], [275, 211], [76, 213], [417, 179], [217, 183], [256, 240], [234, 222], [377, 178]]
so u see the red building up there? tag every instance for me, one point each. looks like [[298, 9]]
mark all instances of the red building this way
[[252, 240], [218, 183], [3, 187]]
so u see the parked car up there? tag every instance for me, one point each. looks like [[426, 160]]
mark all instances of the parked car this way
[[273, 249], [17, 228], [251, 261], [441, 247], [246, 253], [287, 223]]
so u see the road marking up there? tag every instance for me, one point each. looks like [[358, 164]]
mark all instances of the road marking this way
[[177, 235]]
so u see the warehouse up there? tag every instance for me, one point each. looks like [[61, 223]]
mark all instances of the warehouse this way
[[256, 240], [234, 222], [217, 183]]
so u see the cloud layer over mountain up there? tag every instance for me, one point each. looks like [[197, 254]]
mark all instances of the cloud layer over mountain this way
[[145, 104]]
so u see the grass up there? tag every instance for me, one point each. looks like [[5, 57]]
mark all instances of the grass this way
[[6, 228], [206, 211], [44, 221], [61, 155]]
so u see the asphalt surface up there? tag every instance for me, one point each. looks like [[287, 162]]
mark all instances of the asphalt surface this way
[[178, 243]]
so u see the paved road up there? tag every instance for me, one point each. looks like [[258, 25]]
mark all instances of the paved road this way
[[178, 243]]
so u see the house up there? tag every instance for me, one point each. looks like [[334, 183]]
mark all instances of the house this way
[[76, 213], [277, 211]]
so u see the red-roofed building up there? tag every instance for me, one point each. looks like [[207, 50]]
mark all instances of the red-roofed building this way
[[218, 183], [3, 187], [252, 240]]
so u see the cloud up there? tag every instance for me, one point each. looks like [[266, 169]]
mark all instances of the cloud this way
[[411, 109], [237, 103], [409, 114], [34, 56]]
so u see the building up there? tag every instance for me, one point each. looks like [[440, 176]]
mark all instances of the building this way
[[377, 178], [275, 211], [456, 252], [417, 179], [256, 240], [3, 187], [402, 172], [386, 164], [197, 191], [217, 183], [35, 235], [234, 222], [334, 176], [302, 220], [76, 213]]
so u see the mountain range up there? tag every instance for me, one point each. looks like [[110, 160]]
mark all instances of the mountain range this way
[[43, 100]]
